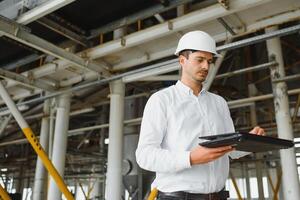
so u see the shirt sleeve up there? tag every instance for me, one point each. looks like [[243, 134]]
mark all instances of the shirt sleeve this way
[[149, 154], [229, 128]]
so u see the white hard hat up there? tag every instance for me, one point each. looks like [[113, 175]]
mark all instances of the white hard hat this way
[[197, 40]]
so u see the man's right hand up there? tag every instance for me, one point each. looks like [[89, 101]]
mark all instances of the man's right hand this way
[[201, 155]]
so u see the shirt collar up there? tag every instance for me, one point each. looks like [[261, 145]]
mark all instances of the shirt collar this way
[[186, 89]]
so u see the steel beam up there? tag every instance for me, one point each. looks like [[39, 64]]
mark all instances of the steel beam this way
[[143, 14], [23, 80], [63, 31], [42, 10], [19, 33], [22, 61], [34, 142], [171, 64], [172, 26]]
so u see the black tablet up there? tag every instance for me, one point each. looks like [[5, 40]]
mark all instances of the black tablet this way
[[246, 142]]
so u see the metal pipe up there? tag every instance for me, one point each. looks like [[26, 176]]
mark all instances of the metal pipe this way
[[40, 178], [34, 142], [214, 70], [259, 98], [60, 142], [260, 38], [226, 26], [247, 180], [248, 69], [290, 175], [287, 78], [115, 147], [258, 164]]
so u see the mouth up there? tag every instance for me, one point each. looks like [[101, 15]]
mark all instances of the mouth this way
[[203, 73]]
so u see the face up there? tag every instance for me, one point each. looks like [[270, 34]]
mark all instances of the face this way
[[196, 67]]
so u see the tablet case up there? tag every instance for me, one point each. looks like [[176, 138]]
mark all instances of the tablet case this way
[[246, 142]]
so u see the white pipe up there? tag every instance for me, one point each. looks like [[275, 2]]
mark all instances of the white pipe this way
[[115, 147], [214, 70], [290, 177], [60, 142], [258, 164], [40, 179], [12, 107]]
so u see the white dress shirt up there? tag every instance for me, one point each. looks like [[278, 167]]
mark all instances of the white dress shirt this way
[[173, 120]]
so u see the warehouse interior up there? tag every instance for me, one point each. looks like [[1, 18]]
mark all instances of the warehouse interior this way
[[76, 75]]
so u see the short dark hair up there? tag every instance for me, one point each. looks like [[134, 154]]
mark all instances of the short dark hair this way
[[186, 53]]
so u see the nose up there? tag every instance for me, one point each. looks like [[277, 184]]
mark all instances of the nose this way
[[205, 64]]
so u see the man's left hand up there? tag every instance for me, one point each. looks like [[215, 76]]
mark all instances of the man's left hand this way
[[258, 131]]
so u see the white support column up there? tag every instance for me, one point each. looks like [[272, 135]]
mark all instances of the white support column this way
[[247, 179], [290, 178], [115, 147], [60, 142], [258, 164], [40, 179]]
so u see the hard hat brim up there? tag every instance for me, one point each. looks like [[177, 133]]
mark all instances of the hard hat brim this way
[[215, 54]]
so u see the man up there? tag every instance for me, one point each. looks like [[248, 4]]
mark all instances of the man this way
[[174, 118]]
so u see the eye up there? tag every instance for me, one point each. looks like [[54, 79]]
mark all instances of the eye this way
[[200, 60]]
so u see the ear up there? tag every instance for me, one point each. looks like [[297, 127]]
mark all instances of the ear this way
[[182, 60]]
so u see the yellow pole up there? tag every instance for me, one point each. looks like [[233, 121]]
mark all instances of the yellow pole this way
[[35, 143], [3, 194], [153, 194], [81, 187], [236, 186], [279, 176]]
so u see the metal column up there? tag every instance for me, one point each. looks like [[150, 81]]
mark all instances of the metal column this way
[[115, 147], [40, 179], [60, 141], [258, 164], [284, 124], [247, 179]]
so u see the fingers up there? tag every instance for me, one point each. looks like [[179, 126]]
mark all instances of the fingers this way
[[202, 154], [216, 155], [258, 131], [221, 149]]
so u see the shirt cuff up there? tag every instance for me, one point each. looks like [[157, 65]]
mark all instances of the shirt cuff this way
[[183, 160], [238, 154]]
